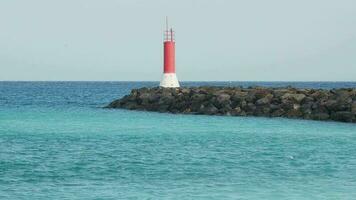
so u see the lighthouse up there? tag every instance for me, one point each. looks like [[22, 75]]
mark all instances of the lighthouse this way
[[169, 79]]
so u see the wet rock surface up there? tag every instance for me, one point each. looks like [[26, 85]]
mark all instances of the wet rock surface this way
[[313, 104]]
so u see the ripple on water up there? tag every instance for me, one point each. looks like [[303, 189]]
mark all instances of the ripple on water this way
[[72, 151]]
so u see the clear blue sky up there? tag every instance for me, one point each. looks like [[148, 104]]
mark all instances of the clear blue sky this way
[[274, 40]]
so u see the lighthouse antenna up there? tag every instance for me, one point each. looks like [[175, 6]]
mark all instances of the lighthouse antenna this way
[[171, 35], [166, 23], [166, 32]]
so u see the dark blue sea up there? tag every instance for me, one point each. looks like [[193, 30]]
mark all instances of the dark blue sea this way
[[57, 142]]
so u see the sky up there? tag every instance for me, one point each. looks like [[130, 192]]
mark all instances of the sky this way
[[216, 40]]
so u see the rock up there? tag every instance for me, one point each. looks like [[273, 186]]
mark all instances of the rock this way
[[185, 91], [280, 92], [167, 99], [296, 97], [114, 104], [225, 109], [261, 93], [296, 106], [238, 97], [262, 111], [221, 101], [306, 108], [146, 98], [251, 96], [294, 113], [331, 105], [243, 104], [278, 113], [353, 109], [308, 99], [130, 105], [319, 94], [251, 107], [343, 116], [287, 105], [223, 98], [163, 108], [274, 107], [264, 100], [320, 116], [198, 97], [209, 110], [237, 110], [186, 111], [343, 95], [317, 104], [353, 94], [144, 95]]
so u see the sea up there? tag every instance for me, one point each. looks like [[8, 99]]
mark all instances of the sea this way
[[58, 142]]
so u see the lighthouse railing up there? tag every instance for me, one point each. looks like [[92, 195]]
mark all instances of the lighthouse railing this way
[[169, 35]]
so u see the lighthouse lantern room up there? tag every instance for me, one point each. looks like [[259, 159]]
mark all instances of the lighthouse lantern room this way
[[169, 79]]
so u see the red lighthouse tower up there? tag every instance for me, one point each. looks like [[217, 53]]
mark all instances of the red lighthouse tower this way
[[169, 78]]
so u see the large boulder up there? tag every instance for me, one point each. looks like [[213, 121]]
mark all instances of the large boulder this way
[[223, 98], [278, 93], [166, 99], [264, 100], [238, 96], [114, 104], [343, 116], [296, 113], [199, 97], [262, 92], [148, 98], [296, 97], [353, 107], [278, 113], [209, 109], [320, 116], [320, 94]]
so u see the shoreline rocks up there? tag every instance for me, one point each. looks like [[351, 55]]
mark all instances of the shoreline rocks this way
[[312, 104]]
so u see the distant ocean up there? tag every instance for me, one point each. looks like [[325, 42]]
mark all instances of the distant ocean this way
[[57, 142]]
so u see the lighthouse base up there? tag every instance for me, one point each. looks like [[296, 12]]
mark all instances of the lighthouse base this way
[[169, 80]]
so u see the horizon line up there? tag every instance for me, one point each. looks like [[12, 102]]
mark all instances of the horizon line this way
[[179, 81]]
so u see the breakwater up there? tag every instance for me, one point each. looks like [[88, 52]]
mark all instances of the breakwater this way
[[313, 104]]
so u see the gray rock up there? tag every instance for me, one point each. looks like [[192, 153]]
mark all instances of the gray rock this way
[[278, 113], [331, 105], [185, 91], [337, 104], [294, 113], [296, 97], [353, 108], [209, 110], [144, 96], [274, 107], [198, 97], [251, 107], [343, 116], [280, 92], [320, 116], [223, 98], [265, 100], [237, 110]]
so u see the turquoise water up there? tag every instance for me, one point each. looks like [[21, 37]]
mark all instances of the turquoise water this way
[[56, 142]]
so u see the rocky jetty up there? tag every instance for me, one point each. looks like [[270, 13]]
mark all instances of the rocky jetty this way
[[314, 104]]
